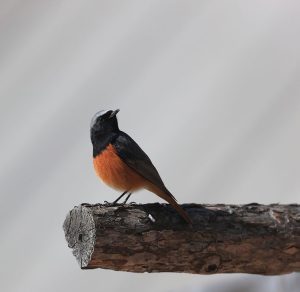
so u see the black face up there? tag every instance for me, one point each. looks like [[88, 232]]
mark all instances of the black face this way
[[104, 128], [104, 121]]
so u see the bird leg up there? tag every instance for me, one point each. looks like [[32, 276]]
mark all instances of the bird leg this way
[[128, 196], [122, 195], [118, 199]]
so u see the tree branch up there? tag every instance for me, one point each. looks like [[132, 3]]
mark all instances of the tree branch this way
[[256, 239]]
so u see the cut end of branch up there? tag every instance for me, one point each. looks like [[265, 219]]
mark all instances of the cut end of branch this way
[[80, 233]]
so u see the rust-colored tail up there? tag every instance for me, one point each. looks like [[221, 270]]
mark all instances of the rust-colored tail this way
[[167, 196], [177, 207]]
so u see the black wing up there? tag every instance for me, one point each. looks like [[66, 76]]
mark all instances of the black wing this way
[[132, 154]]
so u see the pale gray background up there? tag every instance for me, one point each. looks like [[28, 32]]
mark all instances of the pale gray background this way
[[217, 83]]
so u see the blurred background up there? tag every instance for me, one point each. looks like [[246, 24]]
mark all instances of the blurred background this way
[[216, 82]]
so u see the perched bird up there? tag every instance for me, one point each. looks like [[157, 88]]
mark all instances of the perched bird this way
[[122, 164]]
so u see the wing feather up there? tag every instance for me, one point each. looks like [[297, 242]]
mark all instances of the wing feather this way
[[132, 154]]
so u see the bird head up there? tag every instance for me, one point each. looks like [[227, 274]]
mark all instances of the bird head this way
[[105, 121]]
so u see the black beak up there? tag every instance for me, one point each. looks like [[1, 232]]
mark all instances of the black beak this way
[[114, 113]]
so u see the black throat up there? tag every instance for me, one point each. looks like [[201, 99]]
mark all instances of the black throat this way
[[100, 141]]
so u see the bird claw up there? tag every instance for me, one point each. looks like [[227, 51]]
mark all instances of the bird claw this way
[[109, 204]]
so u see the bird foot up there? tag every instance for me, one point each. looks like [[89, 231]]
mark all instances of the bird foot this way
[[110, 204]]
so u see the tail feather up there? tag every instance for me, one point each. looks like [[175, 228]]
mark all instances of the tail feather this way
[[177, 207], [167, 196]]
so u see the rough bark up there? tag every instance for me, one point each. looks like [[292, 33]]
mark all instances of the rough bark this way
[[256, 239]]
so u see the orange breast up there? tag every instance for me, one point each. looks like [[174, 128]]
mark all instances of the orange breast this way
[[115, 173]]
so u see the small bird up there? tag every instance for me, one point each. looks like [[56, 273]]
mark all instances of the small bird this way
[[122, 164]]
